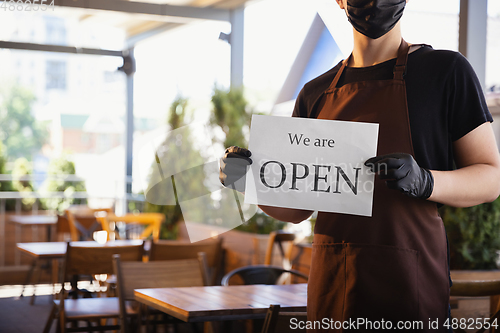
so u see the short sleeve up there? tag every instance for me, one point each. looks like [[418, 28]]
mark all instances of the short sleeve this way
[[467, 105], [300, 109]]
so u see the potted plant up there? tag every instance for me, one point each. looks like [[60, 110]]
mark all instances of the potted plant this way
[[175, 156], [231, 114]]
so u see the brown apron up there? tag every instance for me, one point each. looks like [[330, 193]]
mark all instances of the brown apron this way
[[393, 265]]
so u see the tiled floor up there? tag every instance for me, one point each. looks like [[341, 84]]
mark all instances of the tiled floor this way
[[18, 316]]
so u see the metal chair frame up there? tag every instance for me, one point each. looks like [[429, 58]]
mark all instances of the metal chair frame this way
[[262, 274]]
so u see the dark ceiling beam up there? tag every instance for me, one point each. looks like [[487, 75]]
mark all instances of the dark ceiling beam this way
[[58, 48], [131, 7]]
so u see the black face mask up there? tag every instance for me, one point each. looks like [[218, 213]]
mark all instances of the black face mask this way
[[374, 18]]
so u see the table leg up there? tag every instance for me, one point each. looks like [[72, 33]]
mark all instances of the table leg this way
[[208, 327], [494, 307], [38, 270], [28, 276], [2, 232], [226, 326], [55, 275], [49, 233], [17, 259]]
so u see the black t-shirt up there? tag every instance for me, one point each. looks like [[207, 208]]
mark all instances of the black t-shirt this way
[[445, 100]]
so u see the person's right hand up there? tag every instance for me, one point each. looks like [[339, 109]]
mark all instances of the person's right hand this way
[[233, 167]]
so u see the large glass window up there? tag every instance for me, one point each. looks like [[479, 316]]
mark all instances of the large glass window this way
[[432, 22], [493, 47]]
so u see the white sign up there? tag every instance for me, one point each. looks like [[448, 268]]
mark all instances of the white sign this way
[[311, 164]]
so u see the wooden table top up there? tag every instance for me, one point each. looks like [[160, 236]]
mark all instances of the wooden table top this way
[[198, 304], [58, 249], [33, 219]]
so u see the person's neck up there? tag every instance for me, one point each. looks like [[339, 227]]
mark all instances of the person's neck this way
[[369, 52]]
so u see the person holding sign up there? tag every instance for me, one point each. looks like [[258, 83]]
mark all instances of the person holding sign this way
[[432, 115]]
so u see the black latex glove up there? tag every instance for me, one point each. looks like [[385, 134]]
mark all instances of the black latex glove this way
[[402, 173], [233, 167]]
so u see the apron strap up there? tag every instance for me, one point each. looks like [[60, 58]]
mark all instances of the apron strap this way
[[400, 68], [339, 73]]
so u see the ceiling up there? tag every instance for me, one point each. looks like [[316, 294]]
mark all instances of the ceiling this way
[[142, 18], [226, 4]]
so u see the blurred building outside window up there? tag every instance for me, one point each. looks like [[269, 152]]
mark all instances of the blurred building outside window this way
[[56, 74]]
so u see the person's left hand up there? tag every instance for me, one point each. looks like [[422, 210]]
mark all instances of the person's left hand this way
[[402, 173]]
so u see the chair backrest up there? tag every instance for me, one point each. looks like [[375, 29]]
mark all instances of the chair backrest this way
[[260, 274], [278, 238], [92, 258], [282, 322], [300, 256], [83, 222], [475, 288], [478, 289], [62, 228], [150, 221], [175, 250], [155, 274]]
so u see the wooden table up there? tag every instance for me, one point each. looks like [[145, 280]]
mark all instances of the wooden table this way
[[51, 250], [34, 221], [55, 251], [200, 304]]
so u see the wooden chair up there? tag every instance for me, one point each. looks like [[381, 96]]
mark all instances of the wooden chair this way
[[279, 321], [93, 260], [151, 222], [83, 222], [261, 274], [63, 231], [299, 255], [477, 289], [154, 274], [175, 250], [276, 238]]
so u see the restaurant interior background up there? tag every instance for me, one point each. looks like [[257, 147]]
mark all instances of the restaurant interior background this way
[[64, 113]]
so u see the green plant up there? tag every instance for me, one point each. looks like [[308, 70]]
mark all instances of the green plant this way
[[5, 185], [473, 235], [176, 153], [261, 223], [20, 132], [61, 166], [22, 167], [230, 113]]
